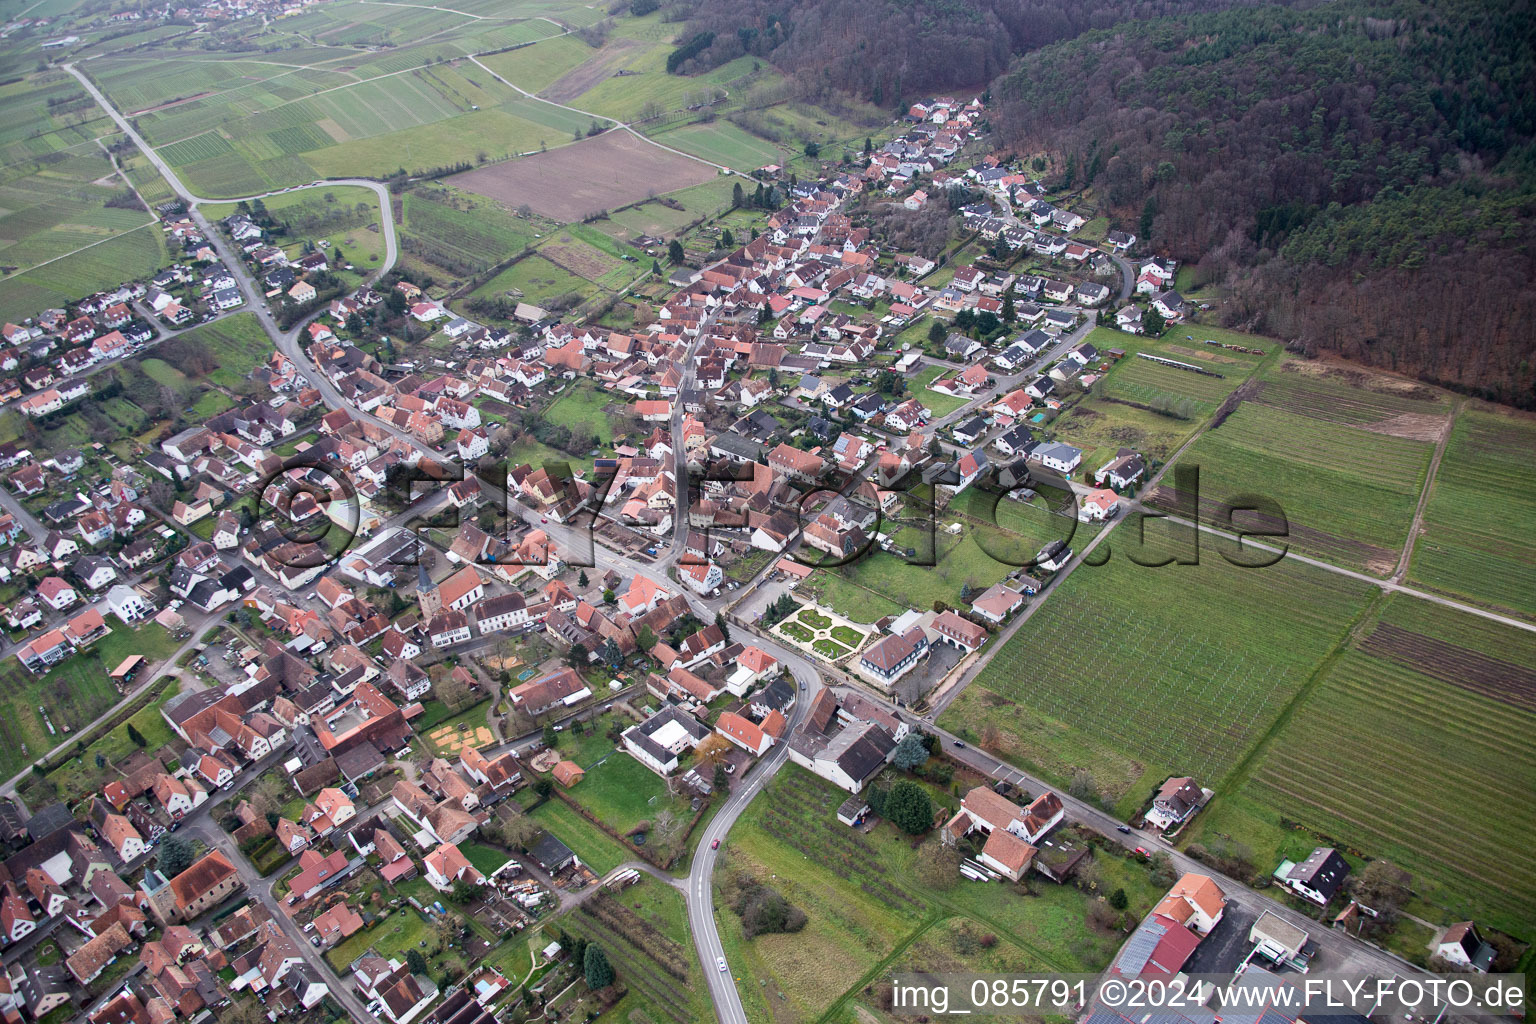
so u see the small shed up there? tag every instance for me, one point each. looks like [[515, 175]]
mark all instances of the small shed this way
[[853, 811], [568, 773]]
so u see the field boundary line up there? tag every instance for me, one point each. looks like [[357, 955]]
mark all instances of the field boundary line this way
[[1386, 586], [1417, 522], [1241, 771], [76, 252]]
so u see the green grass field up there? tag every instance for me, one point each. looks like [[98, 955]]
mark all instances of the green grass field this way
[[1015, 531], [1453, 697], [1132, 673], [537, 66], [865, 904], [960, 561], [597, 850], [73, 693], [1481, 513], [1348, 493], [937, 402], [722, 142], [536, 280], [626, 97], [581, 407], [621, 792], [653, 218]]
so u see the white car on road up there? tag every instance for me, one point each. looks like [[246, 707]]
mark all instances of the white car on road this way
[[720, 962]]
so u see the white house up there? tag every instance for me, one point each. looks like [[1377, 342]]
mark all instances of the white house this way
[[128, 604], [1196, 902], [1058, 456], [1461, 945], [701, 579]]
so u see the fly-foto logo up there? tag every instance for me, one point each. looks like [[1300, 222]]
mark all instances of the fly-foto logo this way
[[314, 510]]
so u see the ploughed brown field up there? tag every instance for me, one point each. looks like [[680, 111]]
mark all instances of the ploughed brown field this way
[[572, 182]]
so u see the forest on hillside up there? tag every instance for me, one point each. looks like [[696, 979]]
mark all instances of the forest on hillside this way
[[887, 51], [1361, 176]]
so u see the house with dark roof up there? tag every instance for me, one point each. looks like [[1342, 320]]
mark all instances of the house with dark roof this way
[[846, 741], [1319, 877], [659, 741], [891, 657], [1461, 945]]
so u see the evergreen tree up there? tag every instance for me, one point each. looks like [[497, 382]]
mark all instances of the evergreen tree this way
[[646, 638], [725, 630], [727, 240], [598, 970], [581, 579], [937, 332], [175, 856], [1152, 323], [909, 807], [675, 251], [737, 198], [577, 657], [136, 737]]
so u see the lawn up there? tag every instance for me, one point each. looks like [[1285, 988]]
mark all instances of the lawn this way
[[797, 632], [653, 217], [71, 695], [1448, 693], [959, 561], [1217, 654], [865, 904], [829, 650], [486, 859], [937, 402], [622, 793], [811, 617], [404, 929], [597, 850], [537, 280], [78, 776], [581, 406], [1473, 547], [1014, 531], [848, 599]]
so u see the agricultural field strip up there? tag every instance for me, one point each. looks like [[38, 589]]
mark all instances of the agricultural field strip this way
[[27, 270], [1480, 730], [602, 117], [349, 85]]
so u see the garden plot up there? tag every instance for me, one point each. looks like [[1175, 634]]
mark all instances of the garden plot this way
[[823, 632]]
